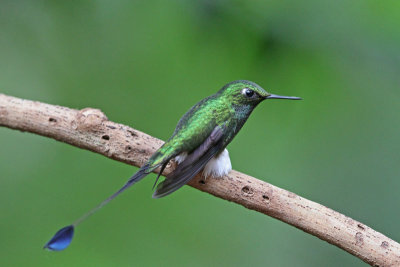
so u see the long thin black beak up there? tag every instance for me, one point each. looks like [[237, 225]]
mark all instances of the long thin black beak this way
[[283, 97]]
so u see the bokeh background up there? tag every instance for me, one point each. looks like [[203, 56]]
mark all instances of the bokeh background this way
[[144, 63]]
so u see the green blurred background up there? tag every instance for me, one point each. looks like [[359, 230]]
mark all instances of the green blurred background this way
[[144, 63]]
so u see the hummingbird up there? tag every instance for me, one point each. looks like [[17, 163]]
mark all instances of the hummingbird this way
[[198, 143]]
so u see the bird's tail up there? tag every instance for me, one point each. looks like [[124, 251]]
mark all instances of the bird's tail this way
[[139, 175], [63, 237]]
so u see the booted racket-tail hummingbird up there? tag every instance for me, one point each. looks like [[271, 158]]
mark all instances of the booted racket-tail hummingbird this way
[[198, 143]]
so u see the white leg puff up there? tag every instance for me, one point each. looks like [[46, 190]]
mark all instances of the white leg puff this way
[[218, 166]]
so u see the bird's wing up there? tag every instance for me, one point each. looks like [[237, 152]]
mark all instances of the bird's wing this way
[[192, 130], [193, 164]]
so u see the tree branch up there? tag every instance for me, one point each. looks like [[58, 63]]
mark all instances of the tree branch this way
[[90, 129]]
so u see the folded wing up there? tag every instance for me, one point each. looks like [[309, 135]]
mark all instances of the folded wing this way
[[192, 164]]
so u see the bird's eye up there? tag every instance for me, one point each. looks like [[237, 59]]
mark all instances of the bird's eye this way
[[248, 92]]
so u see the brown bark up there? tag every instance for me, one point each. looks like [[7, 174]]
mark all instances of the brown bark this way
[[90, 129]]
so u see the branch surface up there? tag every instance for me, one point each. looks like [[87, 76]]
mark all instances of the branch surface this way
[[90, 129]]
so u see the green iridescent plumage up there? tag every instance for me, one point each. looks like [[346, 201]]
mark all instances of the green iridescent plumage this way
[[228, 106], [201, 135]]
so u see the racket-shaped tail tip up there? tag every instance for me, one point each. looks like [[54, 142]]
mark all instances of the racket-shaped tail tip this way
[[61, 239]]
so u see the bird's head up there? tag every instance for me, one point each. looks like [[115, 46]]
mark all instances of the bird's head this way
[[244, 92]]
